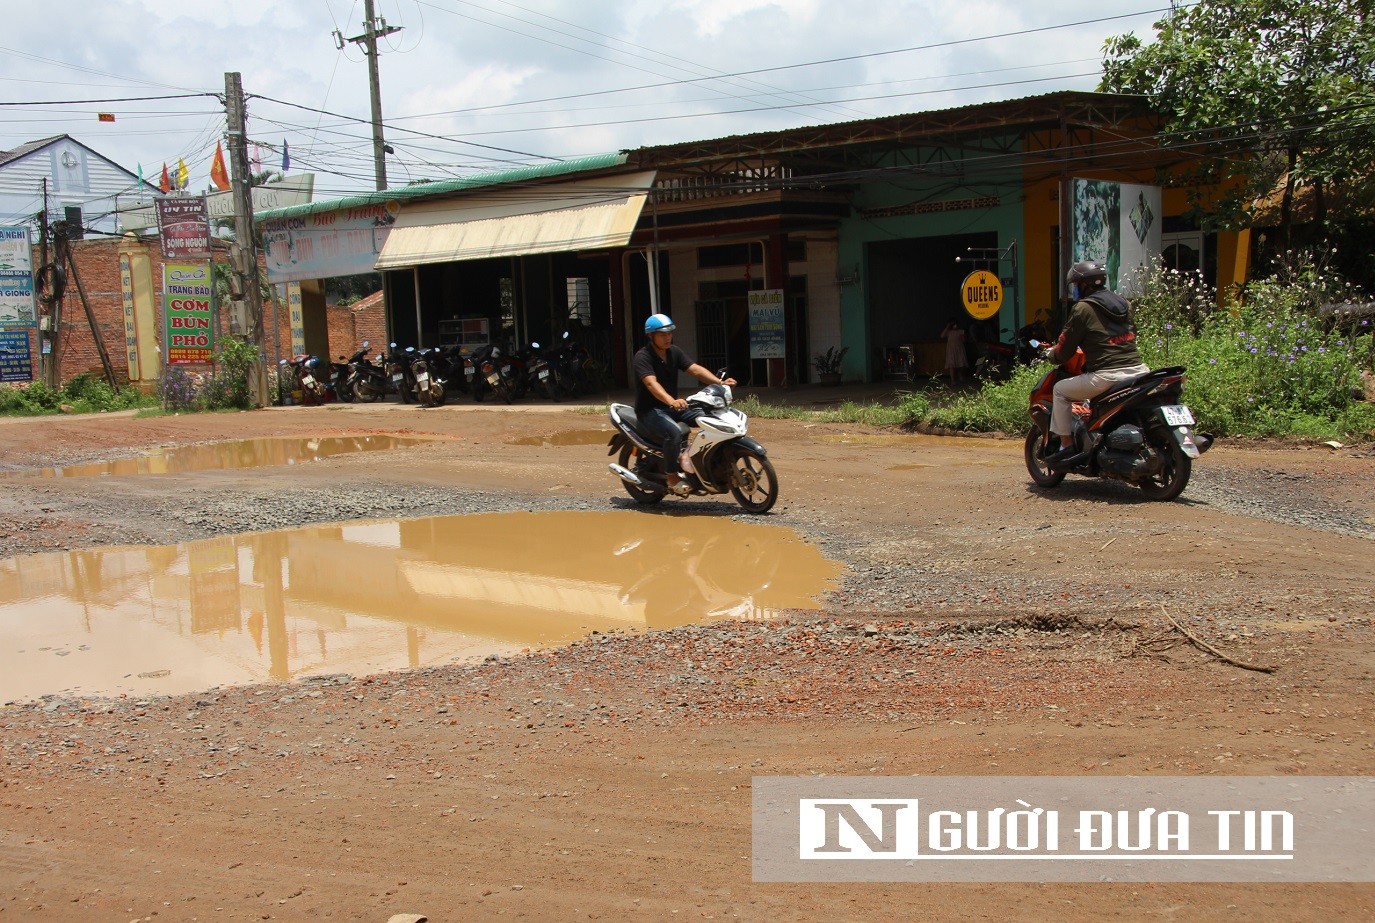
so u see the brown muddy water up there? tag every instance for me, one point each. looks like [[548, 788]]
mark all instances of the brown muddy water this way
[[370, 597], [567, 438], [241, 453]]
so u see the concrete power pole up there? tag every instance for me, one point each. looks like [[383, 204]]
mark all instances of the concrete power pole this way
[[245, 252], [372, 31]]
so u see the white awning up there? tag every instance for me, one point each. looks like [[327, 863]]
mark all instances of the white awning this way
[[514, 220]]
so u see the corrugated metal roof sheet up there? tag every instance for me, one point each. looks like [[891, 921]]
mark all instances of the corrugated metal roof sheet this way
[[450, 186]]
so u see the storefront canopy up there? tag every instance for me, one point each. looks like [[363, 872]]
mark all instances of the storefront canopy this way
[[518, 219]]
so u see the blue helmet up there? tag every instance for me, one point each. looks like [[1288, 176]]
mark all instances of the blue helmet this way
[[659, 323]]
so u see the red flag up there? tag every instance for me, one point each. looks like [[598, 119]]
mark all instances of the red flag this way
[[165, 184], [105, 116], [218, 175]]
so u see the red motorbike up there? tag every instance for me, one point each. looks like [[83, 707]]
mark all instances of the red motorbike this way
[[1136, 431]]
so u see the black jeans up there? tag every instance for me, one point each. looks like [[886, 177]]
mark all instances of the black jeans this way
[[663, 422]]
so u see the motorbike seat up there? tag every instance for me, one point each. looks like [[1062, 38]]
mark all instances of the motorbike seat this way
[[1128, 383], [626, 414]]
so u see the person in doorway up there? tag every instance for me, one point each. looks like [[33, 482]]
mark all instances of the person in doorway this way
[[657, 403], [1100, 324], [956, 355]]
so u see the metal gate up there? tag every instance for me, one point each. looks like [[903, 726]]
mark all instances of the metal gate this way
[[711, 333]]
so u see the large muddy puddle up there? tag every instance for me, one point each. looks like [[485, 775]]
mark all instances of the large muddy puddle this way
[[565, 438], [376, 596], [241, 453]]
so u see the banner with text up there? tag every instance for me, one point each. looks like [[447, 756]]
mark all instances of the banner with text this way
[[16, 362], [184, 228], [766, 324], [187, 306], [16, 278], [344, 242]]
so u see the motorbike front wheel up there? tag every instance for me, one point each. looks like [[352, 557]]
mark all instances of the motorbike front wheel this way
[[1035, 464], [629, 458], [1174, 472], [753, 482]]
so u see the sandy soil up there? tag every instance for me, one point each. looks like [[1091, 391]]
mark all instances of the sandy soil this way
[[983, 628]]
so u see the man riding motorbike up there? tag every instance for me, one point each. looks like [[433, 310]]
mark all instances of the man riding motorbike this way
[[657, 404], [1099, 324]]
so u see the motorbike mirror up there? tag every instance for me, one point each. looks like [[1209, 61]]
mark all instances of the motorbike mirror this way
[[393, 346], [365, 344], [565, 334], [534, 345], [1034, 343]]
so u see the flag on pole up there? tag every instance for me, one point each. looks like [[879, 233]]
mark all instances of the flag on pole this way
[[166, 183], [286, 156], [105, 116], [218, 175], [140, 179], [255, 161], [183, 174]]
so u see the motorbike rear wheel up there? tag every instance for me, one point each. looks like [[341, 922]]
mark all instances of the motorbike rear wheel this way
[[629, 458], [433, 396], [365, 392], [753, 482], [1174, 473], [1035, 464]]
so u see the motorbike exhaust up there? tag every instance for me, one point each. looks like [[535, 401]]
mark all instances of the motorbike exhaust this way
[[625, 474]]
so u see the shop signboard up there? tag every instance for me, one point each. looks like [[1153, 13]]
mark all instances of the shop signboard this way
[[187, 306]]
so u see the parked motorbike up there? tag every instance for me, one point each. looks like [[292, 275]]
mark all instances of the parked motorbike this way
[[397, 364], [718, 454], [306, 370], [1137, 432], [436, 371], [997, 359], [370, 379], [544, 372], [487, 375], [345, 374]]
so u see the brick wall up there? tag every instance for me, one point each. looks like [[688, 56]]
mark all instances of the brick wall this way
[[97, 264]]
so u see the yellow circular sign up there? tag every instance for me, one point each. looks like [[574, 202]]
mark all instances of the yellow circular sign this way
[[982, 293]]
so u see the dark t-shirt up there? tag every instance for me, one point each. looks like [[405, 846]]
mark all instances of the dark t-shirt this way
[[647, 362]]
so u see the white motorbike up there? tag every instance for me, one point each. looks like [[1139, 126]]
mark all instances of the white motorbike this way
[[718, 455]]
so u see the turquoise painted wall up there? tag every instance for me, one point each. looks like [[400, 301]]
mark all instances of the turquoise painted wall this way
[[968, 174]]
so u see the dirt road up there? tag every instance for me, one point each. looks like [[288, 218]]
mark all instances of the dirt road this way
[[982, 627]]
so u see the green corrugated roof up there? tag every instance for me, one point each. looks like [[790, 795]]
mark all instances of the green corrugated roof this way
[[444, 187]]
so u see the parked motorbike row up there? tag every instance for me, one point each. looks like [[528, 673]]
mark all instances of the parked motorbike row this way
[[431, 376]]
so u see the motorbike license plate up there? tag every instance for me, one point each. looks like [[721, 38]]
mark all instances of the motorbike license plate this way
[[397, 376], [1177, 415], [544, 373], [494, 379], [307, 380], [467, 373], [422, 380]]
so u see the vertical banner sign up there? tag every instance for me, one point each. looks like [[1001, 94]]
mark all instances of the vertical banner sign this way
[[766, 324], [186, 306], [184, 228], [126, 286], [16, 363], [298, 324], [16, 279], [1118, 224]]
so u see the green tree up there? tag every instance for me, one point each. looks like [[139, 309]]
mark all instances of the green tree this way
[[1263, 91]]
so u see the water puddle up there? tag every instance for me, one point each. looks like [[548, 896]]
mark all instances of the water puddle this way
[[375, 596], [566, 438], [909, 467], [241, 453], [906, 439]]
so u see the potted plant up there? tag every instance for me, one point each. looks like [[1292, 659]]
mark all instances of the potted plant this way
[[828, 364]]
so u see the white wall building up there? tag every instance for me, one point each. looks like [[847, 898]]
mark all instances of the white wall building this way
[[76, 177]]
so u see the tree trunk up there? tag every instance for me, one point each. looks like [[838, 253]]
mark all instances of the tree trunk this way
[[1287, 202]]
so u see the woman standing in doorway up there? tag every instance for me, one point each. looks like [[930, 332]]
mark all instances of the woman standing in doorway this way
[[956, 355]]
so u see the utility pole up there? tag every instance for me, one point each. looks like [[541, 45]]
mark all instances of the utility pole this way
[[373, 29], [245, 252]]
